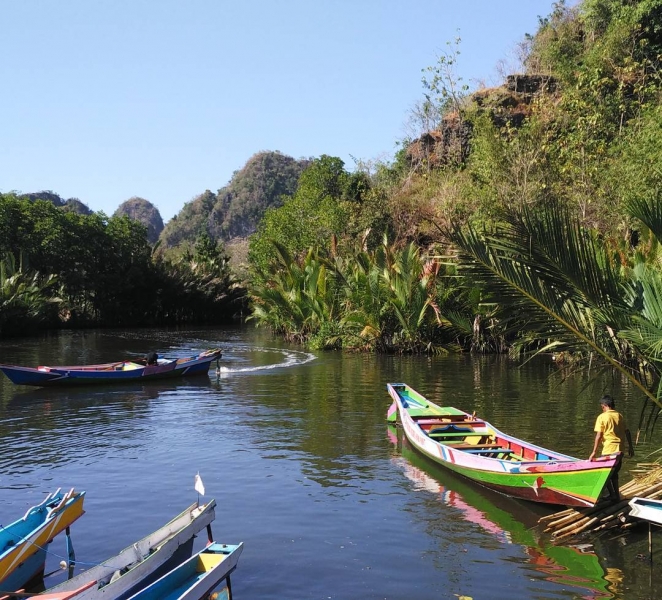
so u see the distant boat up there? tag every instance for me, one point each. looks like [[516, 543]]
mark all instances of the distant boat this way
[[115, 372], [23, 543], [140, 564], [197, 577], [647, 509], [475, 449]]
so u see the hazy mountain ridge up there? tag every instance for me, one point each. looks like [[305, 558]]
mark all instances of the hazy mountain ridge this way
[[233, 212], [72, 204], [236, 209]]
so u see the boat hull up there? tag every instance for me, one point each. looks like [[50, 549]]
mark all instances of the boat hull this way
[[647, 509], [195, 578], [24, 548], [119, 372], [140, 564], [517, 468]]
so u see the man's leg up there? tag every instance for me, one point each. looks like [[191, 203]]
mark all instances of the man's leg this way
[[612, 487], [612, 484]]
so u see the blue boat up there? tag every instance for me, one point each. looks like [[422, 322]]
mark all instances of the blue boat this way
[[141, 563], [24, 542], [116, 372], [198, 577]]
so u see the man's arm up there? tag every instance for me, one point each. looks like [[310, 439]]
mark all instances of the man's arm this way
[[596, 445]]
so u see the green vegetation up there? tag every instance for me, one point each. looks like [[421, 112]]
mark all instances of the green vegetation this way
[[384, 300], [105, 270], [525, 218], [25, 296]]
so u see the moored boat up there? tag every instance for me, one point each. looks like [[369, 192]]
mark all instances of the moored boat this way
[[198, 577], [477, 450], [115, 372], [140, 564], [23, 543], [647, 509]]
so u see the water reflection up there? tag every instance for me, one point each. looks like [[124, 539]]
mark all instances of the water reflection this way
[[508, 521], [296, 450], [112, 421], [24, 398]]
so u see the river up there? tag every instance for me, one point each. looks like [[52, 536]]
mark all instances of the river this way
[[329, 501]]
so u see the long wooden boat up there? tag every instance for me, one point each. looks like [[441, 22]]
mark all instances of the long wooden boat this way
[[646, 509], [196, 578], [115, 372], [140, 564], [476, 449], [24, 543]]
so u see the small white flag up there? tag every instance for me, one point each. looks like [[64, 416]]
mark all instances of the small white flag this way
[[199, 486]]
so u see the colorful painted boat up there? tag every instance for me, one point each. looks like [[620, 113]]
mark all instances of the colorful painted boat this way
[[476, 449], [24, 543], [116, 372], [140, 564], [196, 578], [577, 568], [647, 509]]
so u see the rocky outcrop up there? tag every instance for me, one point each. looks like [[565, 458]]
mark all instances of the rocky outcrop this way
[[530, 85], [76, 206], [144, 212], [44, 195], [70, 205], [235, 211], [447, 145], [507, 105]]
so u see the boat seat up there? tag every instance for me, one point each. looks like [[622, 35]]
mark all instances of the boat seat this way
[[490, 451], [451, 428], [463, 434], [438, 421], [463, 446]]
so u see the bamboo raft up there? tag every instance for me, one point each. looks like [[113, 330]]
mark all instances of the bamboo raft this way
[[607, 516]]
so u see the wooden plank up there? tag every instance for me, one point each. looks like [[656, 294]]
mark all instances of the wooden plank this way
[[447, 422], [492, 451], [442, 435], [463, 446]]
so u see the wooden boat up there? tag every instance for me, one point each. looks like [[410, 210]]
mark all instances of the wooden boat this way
[[647, 509], [475, 449], [196, 578], [116, 372], [140, 564], [23, 543]]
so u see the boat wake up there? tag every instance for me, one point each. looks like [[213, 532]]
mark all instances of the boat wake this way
[[249, 359]]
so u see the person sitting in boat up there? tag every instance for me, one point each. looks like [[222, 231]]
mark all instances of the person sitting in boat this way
[[151, 359], [611, 431]]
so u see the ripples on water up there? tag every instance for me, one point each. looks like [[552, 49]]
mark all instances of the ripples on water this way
[[329, 501]]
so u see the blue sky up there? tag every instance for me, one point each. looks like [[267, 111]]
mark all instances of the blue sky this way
[[108, 99]]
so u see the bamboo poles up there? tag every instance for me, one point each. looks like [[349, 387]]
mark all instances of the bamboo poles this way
[[606, 516]]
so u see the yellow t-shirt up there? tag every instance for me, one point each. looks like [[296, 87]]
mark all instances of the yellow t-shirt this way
[[612, 425]]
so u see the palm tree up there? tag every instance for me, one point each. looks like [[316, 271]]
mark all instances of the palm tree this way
[[25, 296], [297, 297], [562, 287], [389, 299]]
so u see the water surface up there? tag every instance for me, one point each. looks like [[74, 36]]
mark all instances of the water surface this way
[[329, 501]]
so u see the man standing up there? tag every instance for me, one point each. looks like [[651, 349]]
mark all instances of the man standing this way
[[611, 431]]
